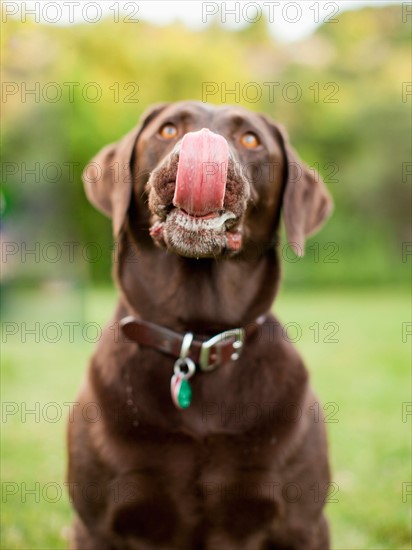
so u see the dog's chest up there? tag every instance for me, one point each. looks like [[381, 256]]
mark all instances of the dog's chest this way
[[197, 489], [211, 470]]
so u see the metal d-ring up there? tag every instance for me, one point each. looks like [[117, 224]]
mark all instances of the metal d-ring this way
[[186, 343]]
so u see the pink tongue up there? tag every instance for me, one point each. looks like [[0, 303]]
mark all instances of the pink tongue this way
[[201, 173]]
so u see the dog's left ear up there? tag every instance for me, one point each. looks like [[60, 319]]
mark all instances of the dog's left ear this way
[[306, 202], [108, 177]]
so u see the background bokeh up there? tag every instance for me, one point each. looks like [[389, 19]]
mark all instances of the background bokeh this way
[[342, 93], [338, 92]]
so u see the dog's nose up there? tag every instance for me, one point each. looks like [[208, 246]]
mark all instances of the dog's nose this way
[[201, 173]]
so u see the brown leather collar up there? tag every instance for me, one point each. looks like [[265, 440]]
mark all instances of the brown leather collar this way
[[207, 354]]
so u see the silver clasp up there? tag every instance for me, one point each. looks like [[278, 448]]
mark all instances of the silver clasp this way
[[238, 334]]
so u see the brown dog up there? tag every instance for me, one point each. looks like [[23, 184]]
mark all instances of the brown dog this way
[[199, 442]]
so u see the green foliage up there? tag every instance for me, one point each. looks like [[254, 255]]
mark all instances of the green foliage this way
[[350, 122]]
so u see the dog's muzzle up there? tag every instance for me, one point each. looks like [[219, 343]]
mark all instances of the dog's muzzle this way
[[188, 195]]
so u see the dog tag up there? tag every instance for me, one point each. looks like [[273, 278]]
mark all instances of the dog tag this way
[[181, 391], [179, 384]]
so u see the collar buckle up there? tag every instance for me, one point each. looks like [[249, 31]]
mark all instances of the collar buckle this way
[[238, 336]]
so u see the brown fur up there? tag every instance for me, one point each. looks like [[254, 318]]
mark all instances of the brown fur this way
[[245, 467]]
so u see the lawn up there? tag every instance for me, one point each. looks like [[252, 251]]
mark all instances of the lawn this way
[[360, 367]]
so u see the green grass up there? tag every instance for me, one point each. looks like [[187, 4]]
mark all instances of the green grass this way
[[365, 375]]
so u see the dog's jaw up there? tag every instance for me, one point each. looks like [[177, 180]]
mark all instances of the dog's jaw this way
[[198, 237]]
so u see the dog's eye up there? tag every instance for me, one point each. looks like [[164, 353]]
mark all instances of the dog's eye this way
[[250, 140], [168, 131]]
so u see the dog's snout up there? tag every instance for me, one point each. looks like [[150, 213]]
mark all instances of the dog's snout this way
[[201, 172], [198, 197]]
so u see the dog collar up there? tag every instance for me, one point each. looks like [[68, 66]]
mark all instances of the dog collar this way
[[188, 351]]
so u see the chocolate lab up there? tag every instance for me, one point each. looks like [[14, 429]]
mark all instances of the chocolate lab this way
[[195, 425]]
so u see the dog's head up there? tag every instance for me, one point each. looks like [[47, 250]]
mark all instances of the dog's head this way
[[207, 181]]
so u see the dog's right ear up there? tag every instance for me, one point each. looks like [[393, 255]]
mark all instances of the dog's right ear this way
[[108, 177]]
